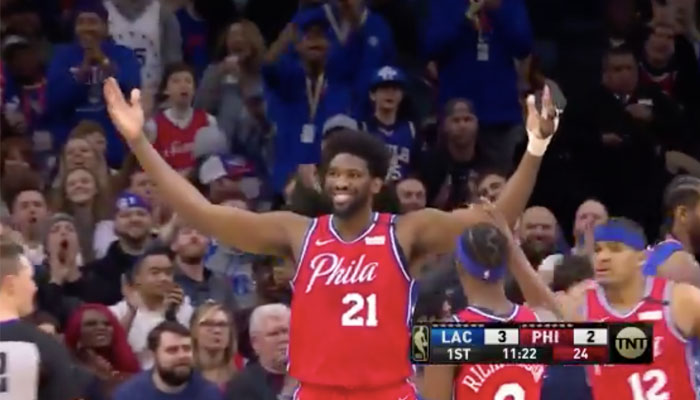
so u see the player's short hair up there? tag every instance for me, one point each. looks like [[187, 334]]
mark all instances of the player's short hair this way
[[155, 335], [359, 144], [11, 254], [263, 312], [486, 245], [684, 190], [570, 271]]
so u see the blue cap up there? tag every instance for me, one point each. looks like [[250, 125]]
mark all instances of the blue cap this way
[[388, 75], [128, 200], [308, 17]]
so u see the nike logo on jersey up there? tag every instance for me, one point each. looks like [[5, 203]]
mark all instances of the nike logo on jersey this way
[[320, 242]]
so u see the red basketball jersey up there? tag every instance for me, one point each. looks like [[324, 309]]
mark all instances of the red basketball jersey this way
[[670, 376], [351, 307], [175, 144], [498, 381]]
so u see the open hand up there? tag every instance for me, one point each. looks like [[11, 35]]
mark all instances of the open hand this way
[[640, 111], [611, 139], [127, 116], [542, 123], [131, 296]]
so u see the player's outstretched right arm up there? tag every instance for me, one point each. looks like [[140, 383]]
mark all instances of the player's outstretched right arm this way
[[438, 381], [268, 233]]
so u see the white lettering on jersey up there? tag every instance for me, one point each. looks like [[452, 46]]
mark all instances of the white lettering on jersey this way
[[19, 371], [479, 374], [337, 272], [178, 147]]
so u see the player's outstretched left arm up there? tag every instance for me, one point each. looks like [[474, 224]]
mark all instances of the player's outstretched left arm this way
[[433, 231]]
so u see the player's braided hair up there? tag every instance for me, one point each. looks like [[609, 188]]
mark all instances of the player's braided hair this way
[[486, 244], [683, 190]]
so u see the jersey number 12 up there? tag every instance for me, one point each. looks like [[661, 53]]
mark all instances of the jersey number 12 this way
[[657, 380], [353, 316]]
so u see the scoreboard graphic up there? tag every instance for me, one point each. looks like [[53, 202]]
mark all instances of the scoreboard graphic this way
[[532, 343]]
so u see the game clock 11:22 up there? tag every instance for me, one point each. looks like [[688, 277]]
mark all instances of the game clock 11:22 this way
[[520, 354]]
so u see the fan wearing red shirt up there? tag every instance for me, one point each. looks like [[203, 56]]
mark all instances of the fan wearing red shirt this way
[[173, 129], [348, 332], [483, 255]]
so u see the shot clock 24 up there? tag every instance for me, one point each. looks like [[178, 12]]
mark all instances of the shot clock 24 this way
[[531, 343]]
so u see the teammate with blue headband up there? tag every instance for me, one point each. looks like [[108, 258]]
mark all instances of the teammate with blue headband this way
[[619, 252]]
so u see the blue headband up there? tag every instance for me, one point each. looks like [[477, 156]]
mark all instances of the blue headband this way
[[129, 200], [615, 232], [475, 269]]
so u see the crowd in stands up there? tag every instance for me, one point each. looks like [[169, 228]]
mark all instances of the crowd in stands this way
[[240, 96]]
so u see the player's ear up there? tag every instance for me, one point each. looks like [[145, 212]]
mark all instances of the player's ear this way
[[681, 213], [641, 257]]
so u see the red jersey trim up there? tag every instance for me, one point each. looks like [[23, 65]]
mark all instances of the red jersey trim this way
[[600, 295], [331, 228], [304, 246]]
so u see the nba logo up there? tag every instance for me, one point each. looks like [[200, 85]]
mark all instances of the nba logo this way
[[419, 344]]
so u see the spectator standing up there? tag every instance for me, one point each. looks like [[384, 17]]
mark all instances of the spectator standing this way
[[150, 297], [267, 378], [194, 33], [214, 340], [173, 129], [173, 376], [79, 152], [99, 343], [198, 283], [231, 84], [537, 233], [475, 45], [449, 170], [376, 41], [304, 90], [76, 73], [152, 32], [389, 120]]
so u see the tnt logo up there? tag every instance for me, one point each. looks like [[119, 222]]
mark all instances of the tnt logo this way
[[632, 344]]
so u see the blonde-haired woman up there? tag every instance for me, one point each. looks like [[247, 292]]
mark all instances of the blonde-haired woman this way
[[231, 88], [87, 198], [215, 344]]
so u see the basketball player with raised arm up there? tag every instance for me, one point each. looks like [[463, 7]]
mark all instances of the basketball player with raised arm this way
[[673, 258], [484, 253], [33, 365], [349, 336], [622, 293]]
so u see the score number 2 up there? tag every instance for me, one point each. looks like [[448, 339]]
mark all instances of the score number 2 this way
[[353, 317]]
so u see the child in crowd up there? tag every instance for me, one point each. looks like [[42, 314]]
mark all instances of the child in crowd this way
[[388, 120], [173, 128]]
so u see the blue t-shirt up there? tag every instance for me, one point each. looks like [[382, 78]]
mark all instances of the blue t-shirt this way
[[141, 387]]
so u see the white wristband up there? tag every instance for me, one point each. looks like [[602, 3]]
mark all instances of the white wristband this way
[[537, 146]]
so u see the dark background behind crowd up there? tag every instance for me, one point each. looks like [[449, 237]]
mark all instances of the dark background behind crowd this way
[[240, 96]]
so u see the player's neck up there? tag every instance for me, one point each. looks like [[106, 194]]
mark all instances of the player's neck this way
[[194, 271], [493, 301], [626, 296], [386, 116], [351, 227], [682, 236], [7, 311]]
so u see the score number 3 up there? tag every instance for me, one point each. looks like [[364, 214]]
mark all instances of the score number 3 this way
[[358, 303]]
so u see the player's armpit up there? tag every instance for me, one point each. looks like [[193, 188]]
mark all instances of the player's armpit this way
[[438, 382], [278, 233], [680, 267], [685, 309]]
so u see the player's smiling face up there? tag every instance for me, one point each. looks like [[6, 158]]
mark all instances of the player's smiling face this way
[[349, 185], [616, 263]]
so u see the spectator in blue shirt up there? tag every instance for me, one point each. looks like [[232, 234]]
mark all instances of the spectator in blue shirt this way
[[475, 45], [303, 90], [76, 73], [173, 376], [376, 42]]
